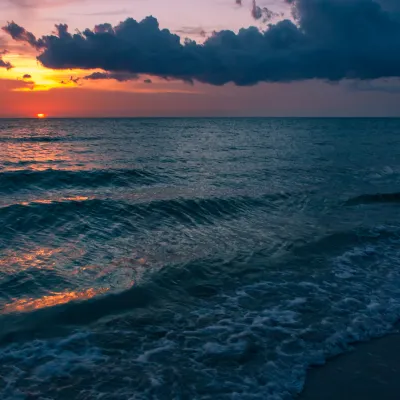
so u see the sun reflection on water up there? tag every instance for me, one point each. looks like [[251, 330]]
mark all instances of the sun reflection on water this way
[[35, 156], [56, 200], [54, 299], [36, 258], [42, 146]]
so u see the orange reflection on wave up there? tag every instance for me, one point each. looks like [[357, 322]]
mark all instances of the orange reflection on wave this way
[[56, 200], [29, 259], [44, 201], [77, 198], [25, 305]]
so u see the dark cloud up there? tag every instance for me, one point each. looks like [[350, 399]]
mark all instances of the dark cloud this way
[[5, 64], [27, 76], [192, 30], [263, 13], [147, 81], [20, 34], [118, 76], [390, 5], [388, 85], [256, 11], [71, 80], [330, 40]]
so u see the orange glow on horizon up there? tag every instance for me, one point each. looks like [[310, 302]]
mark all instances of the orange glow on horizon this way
[[29, 87]]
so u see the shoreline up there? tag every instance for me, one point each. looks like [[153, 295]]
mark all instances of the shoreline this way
[[370, 371]]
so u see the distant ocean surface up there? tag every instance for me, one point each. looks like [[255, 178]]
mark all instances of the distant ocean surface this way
[[192, 258]]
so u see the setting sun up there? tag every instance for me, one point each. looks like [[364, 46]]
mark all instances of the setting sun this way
[[41, 115]]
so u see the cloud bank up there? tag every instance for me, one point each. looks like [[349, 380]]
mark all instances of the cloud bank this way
[[329, 39]]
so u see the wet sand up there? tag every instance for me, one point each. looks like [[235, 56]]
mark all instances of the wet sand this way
[[370, 372]]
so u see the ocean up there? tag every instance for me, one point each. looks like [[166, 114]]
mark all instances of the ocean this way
[[192, 258]]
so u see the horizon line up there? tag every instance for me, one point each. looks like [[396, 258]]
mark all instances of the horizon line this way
[[211, 117]]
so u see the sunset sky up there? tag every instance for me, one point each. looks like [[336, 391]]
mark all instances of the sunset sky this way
[[29, 86]]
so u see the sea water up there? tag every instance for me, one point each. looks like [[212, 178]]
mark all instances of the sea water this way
[[192, 258]]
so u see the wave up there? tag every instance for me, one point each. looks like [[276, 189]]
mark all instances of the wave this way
[[13, 181], [46, 139], [165, 289], [97, 213], [208, 278], [270, 319], [266, 331], [336, 241], [374, 198]]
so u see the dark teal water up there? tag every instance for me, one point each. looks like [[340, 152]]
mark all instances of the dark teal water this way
[[192, 258]]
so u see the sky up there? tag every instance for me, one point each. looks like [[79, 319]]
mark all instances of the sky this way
[[123, 58]]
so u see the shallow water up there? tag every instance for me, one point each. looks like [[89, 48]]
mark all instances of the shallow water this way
[[192, 258]]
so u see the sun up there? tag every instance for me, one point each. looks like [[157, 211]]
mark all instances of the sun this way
[[41, 115]]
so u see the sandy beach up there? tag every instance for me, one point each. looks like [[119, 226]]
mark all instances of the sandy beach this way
[[371, 371]]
